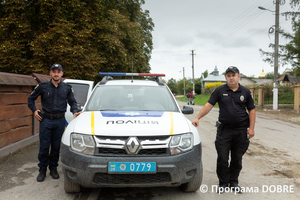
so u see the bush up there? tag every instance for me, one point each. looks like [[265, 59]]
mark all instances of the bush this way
[[209, 88]]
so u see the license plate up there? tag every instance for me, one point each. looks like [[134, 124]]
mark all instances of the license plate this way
[[132, 167]]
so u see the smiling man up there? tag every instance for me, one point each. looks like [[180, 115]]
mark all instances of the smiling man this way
[[234, 127], [55, 95]]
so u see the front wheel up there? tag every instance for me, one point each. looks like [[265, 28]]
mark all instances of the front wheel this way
[[195, 184], [71, 187]]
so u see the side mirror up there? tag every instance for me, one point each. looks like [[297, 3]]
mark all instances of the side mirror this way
[[187, 110]]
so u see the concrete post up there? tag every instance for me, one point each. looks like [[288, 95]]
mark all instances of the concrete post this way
[[297, 98], [261, 96]]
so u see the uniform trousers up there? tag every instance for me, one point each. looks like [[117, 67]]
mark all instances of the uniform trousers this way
[[231, 141], [51, 131]]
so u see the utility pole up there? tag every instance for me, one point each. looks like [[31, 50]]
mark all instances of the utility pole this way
[[275, 88], [193, 71], [183, 82]]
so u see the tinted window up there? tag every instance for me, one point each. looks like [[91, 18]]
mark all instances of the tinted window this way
[[132, 98], [80, 91]]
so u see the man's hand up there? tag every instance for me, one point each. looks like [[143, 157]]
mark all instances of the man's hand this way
[[76, 114], [195, 122], [37, 116], [250, 132]]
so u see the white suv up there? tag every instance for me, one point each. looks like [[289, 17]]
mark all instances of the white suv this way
[[131, 133]]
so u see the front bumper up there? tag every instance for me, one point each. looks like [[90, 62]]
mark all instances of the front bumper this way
[[92, 171]]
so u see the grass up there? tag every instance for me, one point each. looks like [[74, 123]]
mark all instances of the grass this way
[[198, 100]]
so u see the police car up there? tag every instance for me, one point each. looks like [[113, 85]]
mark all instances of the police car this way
[[132, 133]]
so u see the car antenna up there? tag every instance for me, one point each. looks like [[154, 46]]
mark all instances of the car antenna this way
[[132, 68]]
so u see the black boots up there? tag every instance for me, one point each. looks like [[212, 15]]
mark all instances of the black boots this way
[[54, 174], [41, 176]]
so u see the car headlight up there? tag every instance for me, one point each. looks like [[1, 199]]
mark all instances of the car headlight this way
[[82, 143], [181, 143]]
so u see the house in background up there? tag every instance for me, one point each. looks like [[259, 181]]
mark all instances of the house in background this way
[[212, 78], [246, 81], [288, 79]]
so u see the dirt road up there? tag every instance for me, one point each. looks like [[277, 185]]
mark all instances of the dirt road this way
[[271, 169]]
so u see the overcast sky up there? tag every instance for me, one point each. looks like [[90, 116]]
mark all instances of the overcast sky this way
[[222, 32]]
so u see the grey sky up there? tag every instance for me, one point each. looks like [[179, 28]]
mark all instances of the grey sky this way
[[221, 32]]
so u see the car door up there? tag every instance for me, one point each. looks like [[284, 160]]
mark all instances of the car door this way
[[82, 90]]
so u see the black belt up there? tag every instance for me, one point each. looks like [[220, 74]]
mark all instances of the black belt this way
[[54, 116]]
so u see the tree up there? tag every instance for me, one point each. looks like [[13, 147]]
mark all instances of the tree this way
[[172, 85], [86, 37], [290, 52], [205, 73]]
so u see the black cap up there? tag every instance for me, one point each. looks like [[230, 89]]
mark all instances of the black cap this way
[[232, 69], [56, 66]]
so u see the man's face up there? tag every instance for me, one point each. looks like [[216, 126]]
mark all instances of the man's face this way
[[232, 78], [56, 74]]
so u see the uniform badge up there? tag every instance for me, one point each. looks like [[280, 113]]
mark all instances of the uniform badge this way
[[242, 98]]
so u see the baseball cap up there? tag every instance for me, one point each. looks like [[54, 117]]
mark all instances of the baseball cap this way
[[56, 66], [232, 69]]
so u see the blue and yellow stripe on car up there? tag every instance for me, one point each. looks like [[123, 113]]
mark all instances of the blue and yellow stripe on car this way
[[171, 123]]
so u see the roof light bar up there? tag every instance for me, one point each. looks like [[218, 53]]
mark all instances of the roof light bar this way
[[128, 74]]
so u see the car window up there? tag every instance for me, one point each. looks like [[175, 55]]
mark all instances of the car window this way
[[132, 98], [80, 92]]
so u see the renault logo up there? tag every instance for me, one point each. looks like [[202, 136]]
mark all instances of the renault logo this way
[[132, 145]]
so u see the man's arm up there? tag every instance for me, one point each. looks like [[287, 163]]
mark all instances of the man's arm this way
[[73, 103], [252, 117], [31, 102], [207, 107]]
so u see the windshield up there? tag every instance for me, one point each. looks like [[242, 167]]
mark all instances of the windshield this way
[[132, 98]]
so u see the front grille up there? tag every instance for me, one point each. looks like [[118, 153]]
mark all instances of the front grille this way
[[118, 179], [148, 146], [109, 151], [143, 152]]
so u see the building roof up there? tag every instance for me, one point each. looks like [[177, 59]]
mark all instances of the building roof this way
[[261, 81], [215, 77], [289, 78], [16, 79]]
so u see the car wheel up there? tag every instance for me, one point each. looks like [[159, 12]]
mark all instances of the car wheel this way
[[195, 184], [71, 187]]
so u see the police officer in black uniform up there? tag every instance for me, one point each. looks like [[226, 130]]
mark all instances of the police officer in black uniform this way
[[55, 95], [235, 127]]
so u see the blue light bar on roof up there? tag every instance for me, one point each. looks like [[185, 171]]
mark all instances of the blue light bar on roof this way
[[128, 74]]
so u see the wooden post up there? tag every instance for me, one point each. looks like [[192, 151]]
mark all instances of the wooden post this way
[[260, 96], [297, 98]]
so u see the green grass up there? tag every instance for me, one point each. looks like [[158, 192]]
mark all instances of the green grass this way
[[198, 100]]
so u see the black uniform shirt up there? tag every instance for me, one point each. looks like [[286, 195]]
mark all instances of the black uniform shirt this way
[[54, 99], [232, 105]]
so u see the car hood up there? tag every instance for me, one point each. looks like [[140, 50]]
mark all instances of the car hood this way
[[133, 123]]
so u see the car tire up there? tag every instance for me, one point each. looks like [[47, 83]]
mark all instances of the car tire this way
[[195, 184], [71, 187]]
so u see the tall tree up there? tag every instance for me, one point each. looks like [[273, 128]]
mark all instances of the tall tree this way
[[290, 52], [86, 37]]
